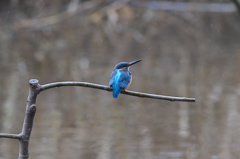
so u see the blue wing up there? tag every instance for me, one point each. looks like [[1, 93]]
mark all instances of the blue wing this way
[[124, 80], [112, 78]]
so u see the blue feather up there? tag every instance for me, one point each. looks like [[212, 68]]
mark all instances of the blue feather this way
[[115, 93], [115, 86], [119, 80]]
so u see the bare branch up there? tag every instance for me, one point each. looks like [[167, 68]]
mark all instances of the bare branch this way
[[28, 120], [35, 88], [11, 136], [156, 96], [41, 22], [107, 88]]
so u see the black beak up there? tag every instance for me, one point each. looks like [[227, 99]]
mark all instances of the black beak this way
[[134, 62]]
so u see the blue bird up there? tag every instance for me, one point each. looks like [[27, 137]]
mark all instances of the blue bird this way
[[121, 77]]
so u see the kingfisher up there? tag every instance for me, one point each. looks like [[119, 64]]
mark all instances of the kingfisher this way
[[121, 77]]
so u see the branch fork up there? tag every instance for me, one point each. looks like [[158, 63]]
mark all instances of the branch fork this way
[[35, 88]]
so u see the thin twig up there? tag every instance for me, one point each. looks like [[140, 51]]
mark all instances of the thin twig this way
[[156, 96], [107, 88], [11, 136]]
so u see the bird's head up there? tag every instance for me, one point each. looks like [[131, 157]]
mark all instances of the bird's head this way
[[123, 65]]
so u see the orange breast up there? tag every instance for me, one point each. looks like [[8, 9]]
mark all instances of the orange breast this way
[[129, 83]]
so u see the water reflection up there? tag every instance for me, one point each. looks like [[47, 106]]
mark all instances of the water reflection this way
[[178, 60]]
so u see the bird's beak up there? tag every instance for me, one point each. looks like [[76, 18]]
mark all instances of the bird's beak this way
[[134, 62]]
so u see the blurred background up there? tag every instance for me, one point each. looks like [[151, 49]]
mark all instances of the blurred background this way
[[189, 48]]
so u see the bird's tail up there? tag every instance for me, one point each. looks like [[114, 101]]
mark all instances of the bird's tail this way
[[115, 93]]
